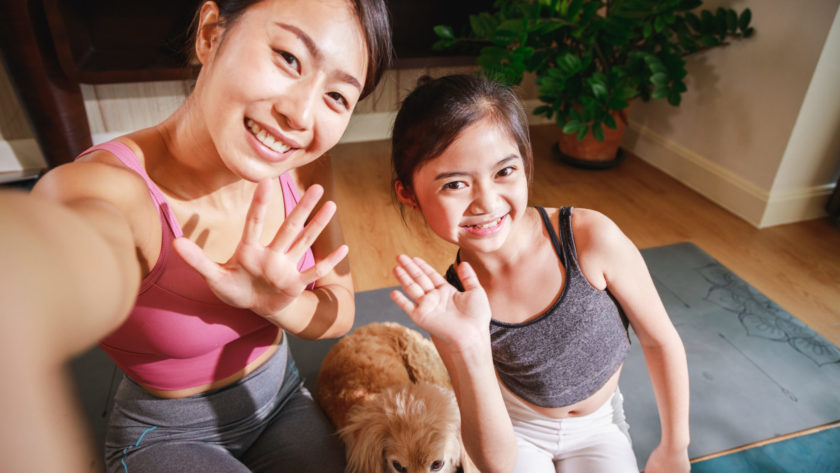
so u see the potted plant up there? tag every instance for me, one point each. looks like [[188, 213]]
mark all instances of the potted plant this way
[[592, 58]]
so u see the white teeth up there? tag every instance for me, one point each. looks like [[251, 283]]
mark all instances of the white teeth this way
[[488, 225], [265, 138]]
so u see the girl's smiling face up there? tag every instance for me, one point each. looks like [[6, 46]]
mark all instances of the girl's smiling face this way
[[278, 86], [474, 192]]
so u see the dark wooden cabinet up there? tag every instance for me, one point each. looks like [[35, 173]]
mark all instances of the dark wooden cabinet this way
[[52, 46]]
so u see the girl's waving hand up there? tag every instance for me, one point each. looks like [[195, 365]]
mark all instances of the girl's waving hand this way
[[439, 308]]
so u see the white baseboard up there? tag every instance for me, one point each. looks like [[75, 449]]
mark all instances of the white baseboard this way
[[796, 206], [713, 181], [754, 204]]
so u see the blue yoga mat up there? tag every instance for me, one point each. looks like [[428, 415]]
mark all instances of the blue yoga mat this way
[[818, 452], [756, 372]]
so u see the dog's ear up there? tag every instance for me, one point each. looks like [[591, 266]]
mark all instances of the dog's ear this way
[[364, 436]]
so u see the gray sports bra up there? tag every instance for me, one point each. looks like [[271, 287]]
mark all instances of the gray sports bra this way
[[566, 354]]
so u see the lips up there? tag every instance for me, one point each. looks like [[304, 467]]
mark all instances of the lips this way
[[265, 137], [486, 228]]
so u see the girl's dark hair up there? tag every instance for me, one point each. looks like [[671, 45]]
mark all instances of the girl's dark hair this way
[[373, 17], [438, 110]]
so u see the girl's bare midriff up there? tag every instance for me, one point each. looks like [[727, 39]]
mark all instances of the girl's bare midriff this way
[[249, 368], [582, 408]]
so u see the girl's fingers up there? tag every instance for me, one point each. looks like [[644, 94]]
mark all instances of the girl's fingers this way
[[408, 284], [468, 278], [296, 221], [195, 257], [256, 212], [404, 303], [434, 276], [416, 273]]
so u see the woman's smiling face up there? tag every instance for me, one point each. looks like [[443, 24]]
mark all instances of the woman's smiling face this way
[[476, 190], [278, 86]]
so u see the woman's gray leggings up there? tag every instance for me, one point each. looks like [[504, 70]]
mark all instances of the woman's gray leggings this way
[[266, 422]]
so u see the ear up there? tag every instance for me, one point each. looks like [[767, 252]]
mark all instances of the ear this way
[[364, 436], [208, 33], [405, 196]]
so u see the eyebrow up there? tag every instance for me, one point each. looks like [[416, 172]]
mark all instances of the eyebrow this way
[[316, 53], [449, 175]]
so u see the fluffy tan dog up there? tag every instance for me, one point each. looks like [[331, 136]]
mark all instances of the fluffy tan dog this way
[[386, 389]]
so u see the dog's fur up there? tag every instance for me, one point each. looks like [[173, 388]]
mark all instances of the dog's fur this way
[[386, 389]]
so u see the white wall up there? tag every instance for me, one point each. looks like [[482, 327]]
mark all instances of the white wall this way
[[728, 139]]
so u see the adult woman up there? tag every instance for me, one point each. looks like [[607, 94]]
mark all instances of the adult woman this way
[[210, 384]]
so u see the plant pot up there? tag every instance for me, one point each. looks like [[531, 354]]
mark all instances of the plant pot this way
[[590, 153]]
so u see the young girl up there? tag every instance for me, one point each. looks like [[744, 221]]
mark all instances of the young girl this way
[[530, 319]]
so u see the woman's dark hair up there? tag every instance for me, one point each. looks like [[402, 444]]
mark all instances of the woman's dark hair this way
[[373, 17], [438, 110]]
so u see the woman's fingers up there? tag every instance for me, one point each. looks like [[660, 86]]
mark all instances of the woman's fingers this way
[[296, 221], [256, 212], [313, 229], [195, 257], [324, 266]]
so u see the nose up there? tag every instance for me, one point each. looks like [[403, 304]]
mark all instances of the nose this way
[[484, 198], [296, 108]]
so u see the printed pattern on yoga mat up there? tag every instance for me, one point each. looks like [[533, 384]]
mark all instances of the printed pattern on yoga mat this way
[[818, 452], [756, 372]]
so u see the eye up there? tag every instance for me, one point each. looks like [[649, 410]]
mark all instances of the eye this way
[[289, 59], [454, 185], [438, 465], [399, 468], [506, 171], [339, 99]]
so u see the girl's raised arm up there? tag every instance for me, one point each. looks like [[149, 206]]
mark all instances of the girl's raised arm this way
[[459, 325]]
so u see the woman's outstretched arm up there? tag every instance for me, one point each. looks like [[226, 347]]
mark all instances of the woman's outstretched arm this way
[[68, 275]]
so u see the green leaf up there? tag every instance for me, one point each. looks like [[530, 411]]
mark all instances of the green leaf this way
[[660, 79], [543, 110], [647, 30], [660, 93], [610, 122], [674, 98], [658, 24], [582, 131], [748, 32], [571, 126], [599, 90], [598, 131], [731, 20], [618, 104], [482, 25], [574, 8], [744, 20], [444, 31]]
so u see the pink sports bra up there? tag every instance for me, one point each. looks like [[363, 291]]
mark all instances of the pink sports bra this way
[[179, 334]]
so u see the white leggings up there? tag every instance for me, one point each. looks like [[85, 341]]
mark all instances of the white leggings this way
[[597, 442]]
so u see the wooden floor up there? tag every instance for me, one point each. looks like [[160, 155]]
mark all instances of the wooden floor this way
[[796, 265]]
